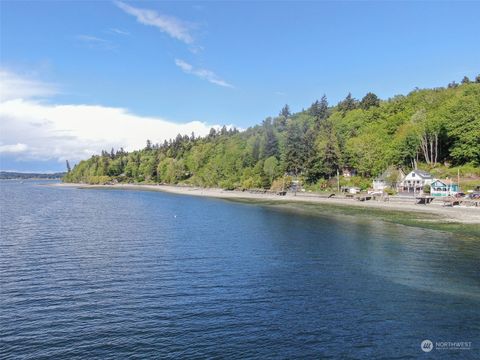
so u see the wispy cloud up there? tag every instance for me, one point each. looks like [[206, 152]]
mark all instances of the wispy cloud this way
[[91, 39], [170, 25], [13, 86], [119, 31], [205, 74], [95, 42]]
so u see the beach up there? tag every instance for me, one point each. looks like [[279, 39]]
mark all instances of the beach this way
[[440, 213]]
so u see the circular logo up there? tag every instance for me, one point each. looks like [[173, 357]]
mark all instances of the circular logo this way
[[426, 345]]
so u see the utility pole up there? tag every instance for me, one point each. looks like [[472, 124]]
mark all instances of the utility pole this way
[[458, 179], [338, 181]]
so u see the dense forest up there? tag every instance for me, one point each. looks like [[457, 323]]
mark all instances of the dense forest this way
[[428, 128], [8, 175]]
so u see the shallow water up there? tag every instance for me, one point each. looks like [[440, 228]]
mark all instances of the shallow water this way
[[112, 274]]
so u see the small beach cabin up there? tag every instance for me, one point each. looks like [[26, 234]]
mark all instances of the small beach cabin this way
[[443, 188], [414, 182]]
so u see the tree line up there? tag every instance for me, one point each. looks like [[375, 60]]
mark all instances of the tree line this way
[[427, 126]]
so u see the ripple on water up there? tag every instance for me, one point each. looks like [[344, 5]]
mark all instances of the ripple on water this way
[[113, 274]]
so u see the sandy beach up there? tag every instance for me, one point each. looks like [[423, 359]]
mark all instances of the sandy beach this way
[[456, 214]]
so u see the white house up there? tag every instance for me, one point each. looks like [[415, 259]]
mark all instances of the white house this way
[[415, 181]]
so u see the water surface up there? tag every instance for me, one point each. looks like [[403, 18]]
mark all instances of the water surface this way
[[115, 274]]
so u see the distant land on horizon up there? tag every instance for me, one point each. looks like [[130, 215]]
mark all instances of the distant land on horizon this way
[[10, 175]]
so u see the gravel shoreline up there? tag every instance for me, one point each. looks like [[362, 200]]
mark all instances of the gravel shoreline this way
[[457, 214]]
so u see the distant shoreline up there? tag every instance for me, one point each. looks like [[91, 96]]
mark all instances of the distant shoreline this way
[[436, 212], [30, 178]]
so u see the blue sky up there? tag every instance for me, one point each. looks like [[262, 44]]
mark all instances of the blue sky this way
[[215, 62]]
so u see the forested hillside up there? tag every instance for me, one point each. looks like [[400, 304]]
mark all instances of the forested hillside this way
[[427, 128]]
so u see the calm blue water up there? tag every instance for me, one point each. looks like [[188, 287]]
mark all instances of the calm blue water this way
[[118, 274]]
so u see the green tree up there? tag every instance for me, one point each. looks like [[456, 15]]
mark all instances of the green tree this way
[[285, 112], [294, 149], [349, 103], [319, 109], [148, 145], [328, 151], [271, 143], [270, 167], [430, 126], [369, 100]]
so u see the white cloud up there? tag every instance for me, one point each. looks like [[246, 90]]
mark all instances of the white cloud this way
[[76, 132], [13, 86], [91, 39], [119, 31], [95, 42], [202, 73], [32, 130], [170, 25], [14, 148]]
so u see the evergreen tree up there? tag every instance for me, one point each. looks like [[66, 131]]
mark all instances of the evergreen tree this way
[[328, 151], [311, 158], [280, 123], [465, 80], [256, 149], [369, 100], [349, 103], [148, 145], [294, 149], [323, 108], [223, 130], [285, 111], [314, 108], [68, 167], [319, 109], [271, 143]]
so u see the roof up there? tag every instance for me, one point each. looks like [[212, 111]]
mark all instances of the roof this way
[[438, 182], [444, 183], [423, 174]]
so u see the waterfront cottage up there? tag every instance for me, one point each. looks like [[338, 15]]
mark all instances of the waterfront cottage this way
[[390, 178], [415, 181], [443, 188]]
